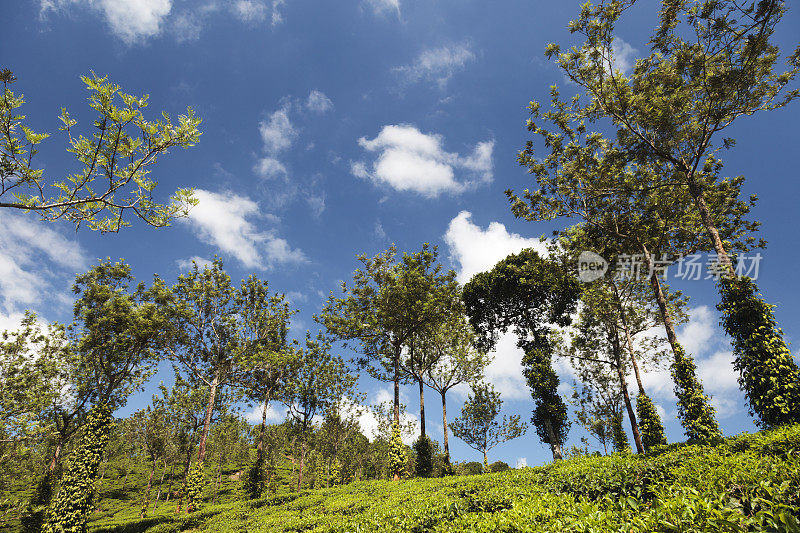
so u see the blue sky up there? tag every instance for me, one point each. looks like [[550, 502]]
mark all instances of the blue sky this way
[[337, 128]]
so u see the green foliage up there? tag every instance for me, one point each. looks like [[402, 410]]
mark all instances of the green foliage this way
[[397, 453], [478, 426], [768, 374], [70, 509], [550, 416], [423, 447], [115, 166], [694, 408], [650, 425], [255, 479], [195, 485], [618, 436], [748, 483]]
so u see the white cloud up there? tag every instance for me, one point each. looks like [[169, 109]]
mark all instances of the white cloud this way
[[623, 55], [277, 16], [269, 168], [522, 462], [186, 264], [437, 64], [186, 26], [380, 7], [278, 132], [697, 334], [224, 220], [274, 415], [35, 261], [318, 102], [505, 370], [135, 20], [250, 11], [474, 249], [410, 160]]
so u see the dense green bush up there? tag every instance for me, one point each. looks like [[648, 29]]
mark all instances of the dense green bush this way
[[423, 448], [650, 426], [767, 372], [195, 483]]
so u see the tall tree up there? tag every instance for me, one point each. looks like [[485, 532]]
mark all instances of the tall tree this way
[[457, 361], [263, 349], [320, 381], [388, 304], [478, 425], [118, 334], [527, 293], [115, 161], [710, 63]]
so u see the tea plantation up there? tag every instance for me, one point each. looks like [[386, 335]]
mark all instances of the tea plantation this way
[[746, 483]]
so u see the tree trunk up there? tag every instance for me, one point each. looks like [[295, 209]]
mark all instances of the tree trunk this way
[[397, 388], [302, 463], [628, 339], [261, 434], [555, 446], [444, 427], [56, 455], [171, 479], [212, 394], [161, 481], [185, 476], [216, 489], [705, 214], [147, 492], [637, 438], [421, 408]]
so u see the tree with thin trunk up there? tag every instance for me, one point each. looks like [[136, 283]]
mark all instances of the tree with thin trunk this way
[[263, 349], [529, 295], [709, 65], [317, 385], [478, 425], [457, 362], [390, 302]]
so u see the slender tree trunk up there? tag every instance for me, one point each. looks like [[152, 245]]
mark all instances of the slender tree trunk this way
[[444, 426], [637, 438], [628, 340], [161, 481], [262, 432], [212, 394], [56, 455], [421, 408], [185, 476], [705, 215], [555, 446], [147, 492], [397, 388], [302, 463], [171, 479]]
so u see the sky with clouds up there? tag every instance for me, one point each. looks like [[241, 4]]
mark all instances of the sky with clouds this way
[[332, 129]]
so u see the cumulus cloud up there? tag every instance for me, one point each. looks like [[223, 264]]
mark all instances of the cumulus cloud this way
[[474, 249], [131, 20], [409, 160], [35, 261], [436, 65], [224, 220], [318, 102]]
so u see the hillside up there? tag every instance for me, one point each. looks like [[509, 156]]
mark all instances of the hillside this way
[[747, 483]]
